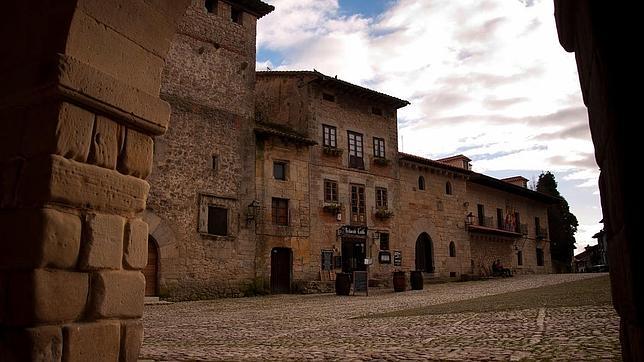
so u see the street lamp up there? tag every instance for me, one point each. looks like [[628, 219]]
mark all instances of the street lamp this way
[[469, 219]]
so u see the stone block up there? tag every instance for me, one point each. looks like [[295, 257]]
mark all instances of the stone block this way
[[113, 53], [102, 242], [56, 179], [118, 294], [131, 339], [45, 296], [106, 143], [136, 156], [59, 128], [35, 238], [135, 244], [31, 344], [97, 341]]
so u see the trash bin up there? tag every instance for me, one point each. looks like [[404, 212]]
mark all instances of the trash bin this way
[[416, 280], [399, 281], [342, 283]]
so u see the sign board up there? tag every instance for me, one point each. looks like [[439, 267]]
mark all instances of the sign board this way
[[384, 257], [327, 259], [350, 230], [360, 282], [397, 258]]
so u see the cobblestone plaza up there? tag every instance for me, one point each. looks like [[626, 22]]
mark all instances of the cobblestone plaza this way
[[319, 327]]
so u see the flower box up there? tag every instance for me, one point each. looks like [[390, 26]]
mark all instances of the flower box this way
[[332, 208], [384, 213], [381, 161], [332, 151]]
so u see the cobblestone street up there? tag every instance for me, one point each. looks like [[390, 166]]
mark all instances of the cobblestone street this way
[[318, 327]]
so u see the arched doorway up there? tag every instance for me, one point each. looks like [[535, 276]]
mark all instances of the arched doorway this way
[[281, 270], [151, 270], [424, 253]]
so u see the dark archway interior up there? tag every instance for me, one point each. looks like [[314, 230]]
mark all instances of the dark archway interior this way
[[424, 253]]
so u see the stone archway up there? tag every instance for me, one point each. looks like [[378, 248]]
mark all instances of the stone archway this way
[[79, 103]]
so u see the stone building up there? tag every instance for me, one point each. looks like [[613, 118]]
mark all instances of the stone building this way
[[278, 180], [202, 180]]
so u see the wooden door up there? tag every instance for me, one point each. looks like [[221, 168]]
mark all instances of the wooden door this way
[[151, 269], [281, 265]]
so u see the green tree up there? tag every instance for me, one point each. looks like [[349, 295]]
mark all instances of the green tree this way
[[561, 222]]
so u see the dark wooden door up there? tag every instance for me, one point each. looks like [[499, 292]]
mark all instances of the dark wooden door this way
[[424, 257], [151, 269], [281, 266]]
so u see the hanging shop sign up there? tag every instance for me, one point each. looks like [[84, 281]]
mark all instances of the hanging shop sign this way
[[351, 230]]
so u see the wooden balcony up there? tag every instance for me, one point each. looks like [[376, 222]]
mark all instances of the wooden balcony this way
[[486, 225]]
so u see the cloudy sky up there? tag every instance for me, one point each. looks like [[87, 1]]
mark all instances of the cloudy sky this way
[[486, 78]]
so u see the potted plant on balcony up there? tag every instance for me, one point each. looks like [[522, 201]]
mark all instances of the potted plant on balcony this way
[[332, 151], [332, 208], [384, 214], [381, 161]]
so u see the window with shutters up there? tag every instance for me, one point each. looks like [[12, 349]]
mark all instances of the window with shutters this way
[[279, 170], [381, 198], [356, 150], [330, 191], [358, 209], [329, 136], [214, 219], [384, 241], [379, 147], [280, 211]]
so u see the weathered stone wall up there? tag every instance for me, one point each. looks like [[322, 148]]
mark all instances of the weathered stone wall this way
[[79, 104], [440, 215], [209, 82], [295, 188], [284, 100], [485, 247]]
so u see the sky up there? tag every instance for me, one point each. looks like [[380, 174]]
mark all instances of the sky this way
[[485, 78]]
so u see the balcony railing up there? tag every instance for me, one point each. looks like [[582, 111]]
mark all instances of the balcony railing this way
[[486, 224]]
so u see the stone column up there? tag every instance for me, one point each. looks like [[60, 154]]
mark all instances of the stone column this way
[[600, 33], [78, 107]]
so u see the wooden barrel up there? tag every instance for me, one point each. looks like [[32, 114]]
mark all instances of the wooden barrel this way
[[342, 283], [399, 281], [416, 279]]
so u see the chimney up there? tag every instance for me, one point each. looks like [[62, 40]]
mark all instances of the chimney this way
[[459, 161], [517, 180]]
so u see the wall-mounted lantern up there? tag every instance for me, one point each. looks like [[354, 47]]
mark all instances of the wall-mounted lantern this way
[[469, 219]]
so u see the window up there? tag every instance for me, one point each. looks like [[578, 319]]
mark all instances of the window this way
[[452, 249], [279, 170], [214, 162], [217, 221], [539, 257], [517, 220], [330, 191], [329, 137], [280, 211], [519, 257], [537, 227], [328, 97], [499, 219], [384, 241], [355, 150], [236, 15], [211, 6], [481, 214], [381, 198], [379, 147], [377, 111], [358, 210], [448, 188], [421, 183]]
